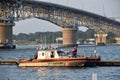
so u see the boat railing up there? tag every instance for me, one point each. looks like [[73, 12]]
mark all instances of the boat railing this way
[[45, 48], [94, 55]]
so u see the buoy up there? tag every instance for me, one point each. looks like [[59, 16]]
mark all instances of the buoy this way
[[94, 76]]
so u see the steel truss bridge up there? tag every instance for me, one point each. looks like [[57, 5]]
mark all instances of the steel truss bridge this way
[[15, 10]]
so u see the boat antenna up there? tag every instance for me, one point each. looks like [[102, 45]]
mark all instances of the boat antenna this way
[[45, 42], [53, 39], [95, 36]]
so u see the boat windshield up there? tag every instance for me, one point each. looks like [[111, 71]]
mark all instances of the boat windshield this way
[[61, 53]]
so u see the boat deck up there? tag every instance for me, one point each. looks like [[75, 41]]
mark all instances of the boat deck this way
[[109, 63], [9, 61]]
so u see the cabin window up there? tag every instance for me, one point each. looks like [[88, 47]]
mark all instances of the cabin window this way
[[61, 53], [42, 54], [52, 54]]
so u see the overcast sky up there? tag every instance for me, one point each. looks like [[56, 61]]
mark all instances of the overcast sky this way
[[108, 8]]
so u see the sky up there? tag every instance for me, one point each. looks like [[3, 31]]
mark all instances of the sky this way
[[108, 8]]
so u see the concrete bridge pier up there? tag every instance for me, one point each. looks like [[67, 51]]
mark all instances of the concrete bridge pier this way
[[6, 35], [100, 39], [69, 35], [117, 40]]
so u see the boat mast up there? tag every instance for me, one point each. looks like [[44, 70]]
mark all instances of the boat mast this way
[[53, 38], [95, 36], [45, 41]]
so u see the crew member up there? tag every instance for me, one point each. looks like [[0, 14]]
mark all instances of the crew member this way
[[35, 56], [74, 52]]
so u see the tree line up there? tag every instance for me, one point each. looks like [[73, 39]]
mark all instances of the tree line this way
[[50, 37]]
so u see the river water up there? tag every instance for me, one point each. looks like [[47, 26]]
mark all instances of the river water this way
[[13, 72]]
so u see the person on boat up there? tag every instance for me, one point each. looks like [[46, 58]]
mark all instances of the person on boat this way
[[74, 52], [35, 56], [94, 54]]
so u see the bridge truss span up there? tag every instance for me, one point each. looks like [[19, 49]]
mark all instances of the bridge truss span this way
[[16, 10]]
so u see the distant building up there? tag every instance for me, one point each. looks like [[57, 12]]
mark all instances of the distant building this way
[[59, 40], [90, 41]]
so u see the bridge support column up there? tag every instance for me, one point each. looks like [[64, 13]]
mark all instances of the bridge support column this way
[[100, 38], [6, 35], [69, 36], [117, 40]]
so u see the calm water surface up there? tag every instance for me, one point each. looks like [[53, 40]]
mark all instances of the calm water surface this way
[[13, 72]]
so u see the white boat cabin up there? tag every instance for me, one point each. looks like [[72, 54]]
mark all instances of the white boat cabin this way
[[46, 54]]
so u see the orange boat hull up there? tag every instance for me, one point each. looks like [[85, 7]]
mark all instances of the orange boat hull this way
[[61, 62]]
